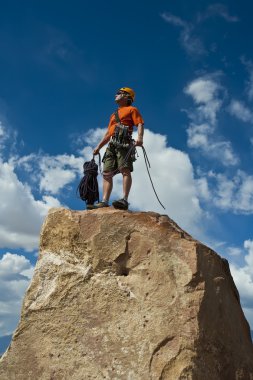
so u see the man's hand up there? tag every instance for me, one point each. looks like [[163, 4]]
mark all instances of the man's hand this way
[[138, 143], [96, 151]]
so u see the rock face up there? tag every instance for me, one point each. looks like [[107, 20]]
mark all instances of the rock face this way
[[131, 296]]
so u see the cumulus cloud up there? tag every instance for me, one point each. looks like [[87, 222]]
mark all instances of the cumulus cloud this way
[[52, 173], [58, 171], [233, 194], [21, 215], [206, 92], [243, 277], [15, 274], [239, 110], [203, 189], [92, 136]]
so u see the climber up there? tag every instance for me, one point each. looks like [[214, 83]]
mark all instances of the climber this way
[[119, 155]]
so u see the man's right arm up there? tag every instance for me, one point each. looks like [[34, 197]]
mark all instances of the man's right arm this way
[[104, 141]]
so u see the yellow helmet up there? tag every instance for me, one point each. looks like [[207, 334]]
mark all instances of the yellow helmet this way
[[130, 91]]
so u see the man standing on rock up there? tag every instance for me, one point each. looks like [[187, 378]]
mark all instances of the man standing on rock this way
[[119, 154]]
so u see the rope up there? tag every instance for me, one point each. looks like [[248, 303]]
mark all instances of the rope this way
[[88, 186], [148, 167]]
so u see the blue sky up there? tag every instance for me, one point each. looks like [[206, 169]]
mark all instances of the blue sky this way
[[191, 66]]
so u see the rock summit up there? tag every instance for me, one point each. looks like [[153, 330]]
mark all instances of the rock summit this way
[[129, 296]]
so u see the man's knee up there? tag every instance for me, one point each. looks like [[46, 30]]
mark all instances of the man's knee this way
[[125, 172], [107, 176]]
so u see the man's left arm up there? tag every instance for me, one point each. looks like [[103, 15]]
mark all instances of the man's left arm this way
[[139, 141]]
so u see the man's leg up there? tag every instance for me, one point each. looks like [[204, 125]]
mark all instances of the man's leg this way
[[107, 187], [109, 167], [127, 182]]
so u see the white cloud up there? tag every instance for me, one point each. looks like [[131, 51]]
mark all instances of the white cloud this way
[[190, 39], [198, 135], [217, 10], [21, 215], [15, 274], [249, 84], [191, 43], [222, 151], [52, 172], [55, 179], [248, 244], [3, 136], [1, 130], [205, 92], [203, 189], [234, 251], [93, 136], [174, 20], [233, 194], [239, 110], [243, 277], [12, 266]]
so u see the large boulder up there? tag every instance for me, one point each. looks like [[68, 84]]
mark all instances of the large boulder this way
[[131, 296]]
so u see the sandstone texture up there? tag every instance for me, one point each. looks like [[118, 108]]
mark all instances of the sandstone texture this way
[[131, 296]]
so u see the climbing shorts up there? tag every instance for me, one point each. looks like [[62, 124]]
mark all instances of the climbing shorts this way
[[114, 158]]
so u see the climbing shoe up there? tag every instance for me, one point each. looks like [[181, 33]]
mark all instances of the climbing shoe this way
[[121, 204], [90, 207], [101, 204]]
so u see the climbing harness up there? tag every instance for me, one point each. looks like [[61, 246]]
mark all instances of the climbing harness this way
[[121, 138], [88, 186]]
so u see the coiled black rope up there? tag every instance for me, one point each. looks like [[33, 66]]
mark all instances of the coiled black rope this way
[[88, 186]]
